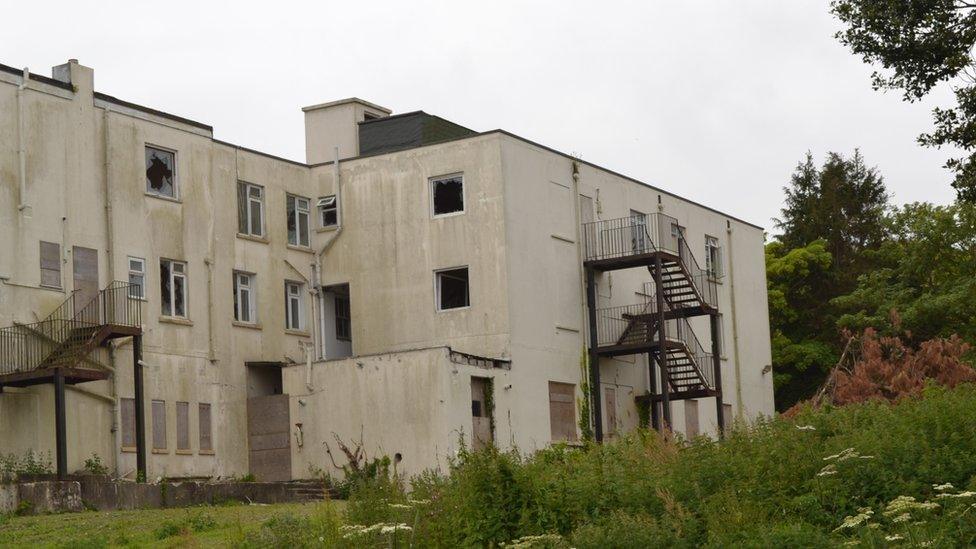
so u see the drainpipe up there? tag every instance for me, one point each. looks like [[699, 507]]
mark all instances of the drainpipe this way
[[735, 330], [208, 261], [340, 213], [23, 207]]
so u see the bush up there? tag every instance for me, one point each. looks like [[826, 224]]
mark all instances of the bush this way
[[95, 466]]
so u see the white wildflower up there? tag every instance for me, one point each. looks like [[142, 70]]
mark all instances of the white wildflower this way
[[943, 487], [392, 528], [853, 521], [418, 501], [806, 428], [526, 542], [894, 537], [827, 470], [904, 517], [399, 506], [846, 454], [907, 504], [966, 494]]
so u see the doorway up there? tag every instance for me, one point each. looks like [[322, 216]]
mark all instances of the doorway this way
[[268, 423]]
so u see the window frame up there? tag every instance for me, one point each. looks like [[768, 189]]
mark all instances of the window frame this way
[[140, 273], [431, 184], [58, 262], [293, 201], [249, 200], [176, 187], [251, 290], [173, 275], [323, 208], [297, 297], [713, 265], [437, 288]]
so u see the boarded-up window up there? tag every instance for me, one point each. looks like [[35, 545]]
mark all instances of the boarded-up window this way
[[727, 416], [50, 264], [206, 440], [159, 424], [691, 418], [128, 423], [481, 415], [183, 426], [562, 411], [610, 411]]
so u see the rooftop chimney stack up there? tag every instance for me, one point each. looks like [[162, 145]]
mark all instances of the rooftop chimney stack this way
[[336, 124]]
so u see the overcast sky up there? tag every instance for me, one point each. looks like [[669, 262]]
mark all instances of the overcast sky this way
[[712, 100]]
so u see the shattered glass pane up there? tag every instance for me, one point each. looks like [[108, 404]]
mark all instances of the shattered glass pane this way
[[160, 168], [164, 284], [179, 294], [448, 195]]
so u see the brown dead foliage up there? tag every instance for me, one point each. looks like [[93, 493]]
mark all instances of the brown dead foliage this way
[[874, 367]]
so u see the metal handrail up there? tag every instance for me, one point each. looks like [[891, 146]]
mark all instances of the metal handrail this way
[[66, 334]]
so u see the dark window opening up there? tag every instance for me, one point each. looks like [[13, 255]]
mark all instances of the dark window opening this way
[[448, 195], [476, 410], [160, 166], [343, 318], [452, 289], [328, 211]]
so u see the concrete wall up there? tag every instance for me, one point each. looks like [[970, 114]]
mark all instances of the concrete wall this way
[[413, 403]]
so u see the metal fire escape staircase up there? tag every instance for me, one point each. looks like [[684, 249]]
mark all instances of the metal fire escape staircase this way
[[680, 289], [31, 354]]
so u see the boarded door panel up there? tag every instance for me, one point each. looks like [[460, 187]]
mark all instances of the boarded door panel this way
[[269, 439], [562, 411], [610, 411], [85, 269], [691, 419], [480, 414]]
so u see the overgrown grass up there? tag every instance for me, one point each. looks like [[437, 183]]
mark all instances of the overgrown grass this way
[[874, 475]]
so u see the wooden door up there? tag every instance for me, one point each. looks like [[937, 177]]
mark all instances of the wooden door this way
[[610, 412], [482, 435], [84, 263], [562, 411]]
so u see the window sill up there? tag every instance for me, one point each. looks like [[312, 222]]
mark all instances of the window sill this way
[[164, 197], [297, 248], [128, 449], [184, 452], [175, 320], [302, 333], [160, 451], [252, 238], [454, 309], [58, 289], [328, 229], [449, 214], [248, 325], [206, 453]]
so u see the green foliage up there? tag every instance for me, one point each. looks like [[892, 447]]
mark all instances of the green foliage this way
[[95, 466], [583, 402], [764, 486], [29, 464], [192, 522], [918, 45]]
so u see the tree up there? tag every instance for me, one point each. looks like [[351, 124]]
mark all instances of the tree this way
[[844, 204], [920, 44], [926, 275], [802, 344]]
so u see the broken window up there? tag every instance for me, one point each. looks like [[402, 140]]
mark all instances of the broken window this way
[[182, 426], [160, 172], [159, 424], [713, 257], [294, 306], [562, 411], [343, 318], [50, 264], [137, 277], [297, 220], [250, 209], [244, 302], [128, 412], [691, 419], [452, 289], [448, 195], [172, 282], [206, 440], [328, 211]]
